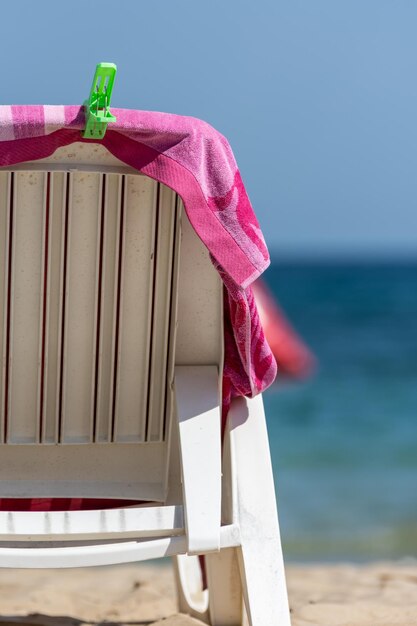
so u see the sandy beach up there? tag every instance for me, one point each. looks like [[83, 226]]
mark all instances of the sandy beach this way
[[326, 595]]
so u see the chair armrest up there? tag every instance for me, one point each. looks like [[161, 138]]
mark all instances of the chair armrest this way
[[198, 414]]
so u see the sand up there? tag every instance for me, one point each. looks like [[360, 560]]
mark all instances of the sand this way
[[338, 595]]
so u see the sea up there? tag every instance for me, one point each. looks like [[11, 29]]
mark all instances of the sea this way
[[344, 441]]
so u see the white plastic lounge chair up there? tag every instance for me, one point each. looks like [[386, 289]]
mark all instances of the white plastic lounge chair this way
[[111, 314]]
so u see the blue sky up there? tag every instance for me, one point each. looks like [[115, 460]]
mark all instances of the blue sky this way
[[317, 97]]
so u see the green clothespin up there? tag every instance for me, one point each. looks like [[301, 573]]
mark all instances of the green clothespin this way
[[97, 108]]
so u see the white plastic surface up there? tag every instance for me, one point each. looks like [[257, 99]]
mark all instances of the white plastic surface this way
[[197, 392], [92, 280], [260, 556], [108, 303], [26, 290], [113, 470], [106, 553], [95, 524]]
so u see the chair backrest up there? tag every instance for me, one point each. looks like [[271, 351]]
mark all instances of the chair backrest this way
[[104, 287]]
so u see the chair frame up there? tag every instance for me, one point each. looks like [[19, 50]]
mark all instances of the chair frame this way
[[217, 498]]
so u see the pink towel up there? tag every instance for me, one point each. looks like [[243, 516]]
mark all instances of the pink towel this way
[[196, 161]]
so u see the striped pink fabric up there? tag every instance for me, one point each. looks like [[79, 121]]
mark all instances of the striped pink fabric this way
[[196, 161]]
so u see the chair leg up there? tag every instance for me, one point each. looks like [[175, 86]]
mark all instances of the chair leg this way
[[192, 599], [225, 589], [222, 603], [260, 556], [263, 584]]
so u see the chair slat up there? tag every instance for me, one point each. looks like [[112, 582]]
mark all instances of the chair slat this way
[[135, 309], [176, 252], [54, 299], [5, 183], [26, 311], [150, 521], [108, 305], [199, 304], [161, 313], [81, 293]]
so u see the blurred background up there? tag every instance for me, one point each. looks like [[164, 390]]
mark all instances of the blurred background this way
[[319, 102]]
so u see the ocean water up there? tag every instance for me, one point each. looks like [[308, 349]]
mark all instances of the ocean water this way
[[344, 443]]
